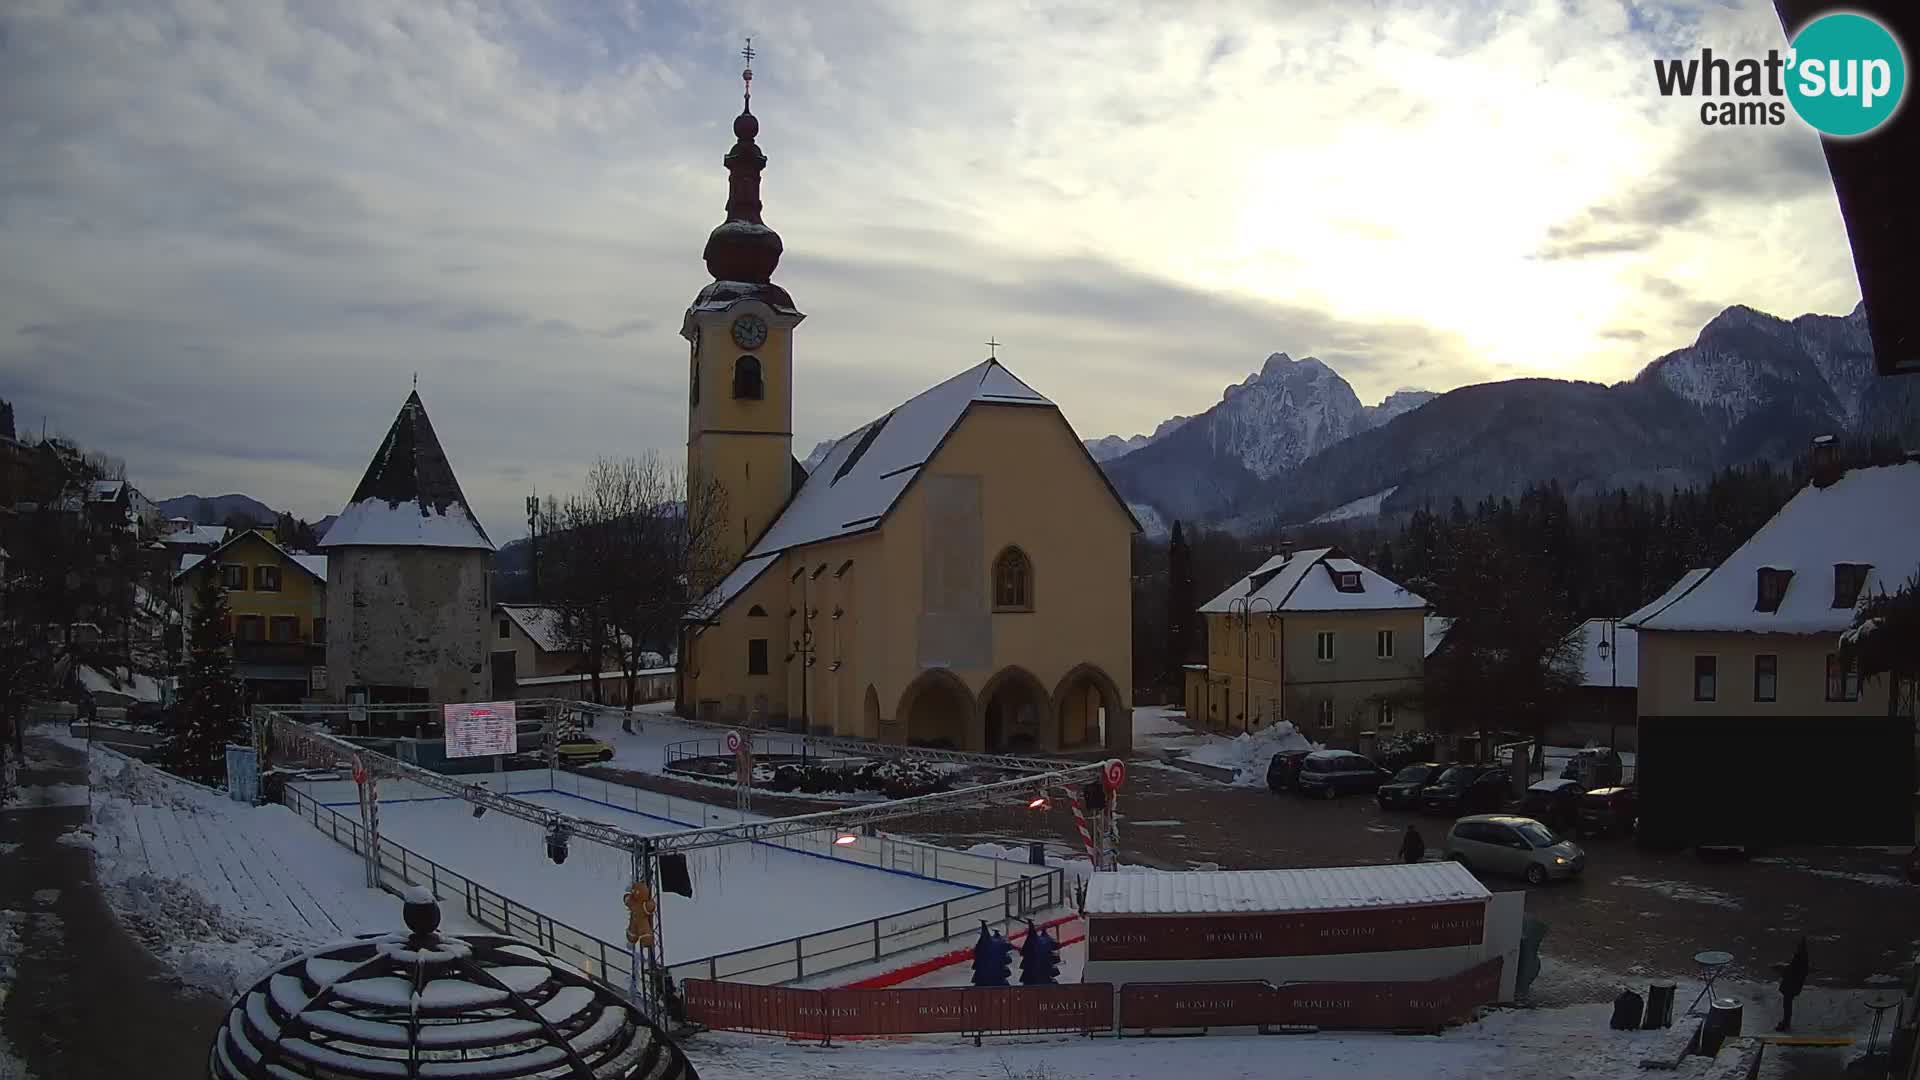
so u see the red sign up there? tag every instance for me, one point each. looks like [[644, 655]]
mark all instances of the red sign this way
[[1114, 774], [1298, 933], [827, 1013], [1389, 1006]]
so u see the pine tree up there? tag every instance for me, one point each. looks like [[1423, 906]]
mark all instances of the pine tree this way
[[210, 714], [1181, 605]]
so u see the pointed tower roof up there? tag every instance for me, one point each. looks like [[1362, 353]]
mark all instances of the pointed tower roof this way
[[743, 251], [409, 497]]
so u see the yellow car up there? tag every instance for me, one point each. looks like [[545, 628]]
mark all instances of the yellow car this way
[[584, 750]]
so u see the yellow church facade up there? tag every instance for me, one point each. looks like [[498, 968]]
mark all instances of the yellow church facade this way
[[955, 573]]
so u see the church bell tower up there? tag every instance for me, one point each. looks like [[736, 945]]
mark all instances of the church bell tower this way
[[740, 377]]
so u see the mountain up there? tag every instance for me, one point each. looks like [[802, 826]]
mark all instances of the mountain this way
[[1108, 447], [1292, 445], [216, 510]]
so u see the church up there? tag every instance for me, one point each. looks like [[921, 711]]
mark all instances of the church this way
[[956, 573]]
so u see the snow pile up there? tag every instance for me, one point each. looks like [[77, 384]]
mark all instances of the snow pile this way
[[1249, 754]]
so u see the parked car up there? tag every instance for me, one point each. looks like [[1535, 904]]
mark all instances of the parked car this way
[[1466, 789], [1604, 811], [1403, 789], [1330, 774], [1284, 769], [584, 750], [1509, 844], [1553, 802]]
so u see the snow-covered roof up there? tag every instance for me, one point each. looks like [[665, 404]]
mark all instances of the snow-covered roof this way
[[1291, 583], [857, 484], [128, 684], [1621, 667], [312, 564], [540, 622], [1436, 631], [1192, 892], [1869, 516], [1674, 592], [197, 534], [409, 496], [106, 490]]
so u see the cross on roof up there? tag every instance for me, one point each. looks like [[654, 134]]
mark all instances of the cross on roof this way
[[993, 348]]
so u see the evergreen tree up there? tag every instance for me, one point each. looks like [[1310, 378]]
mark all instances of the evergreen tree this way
[[1181, 604], [1885, 640], [210, 714]]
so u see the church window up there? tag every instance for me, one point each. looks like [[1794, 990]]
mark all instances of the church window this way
[[1012, 581], [746, 379], [695, 382], [756, 611], [757, 656]]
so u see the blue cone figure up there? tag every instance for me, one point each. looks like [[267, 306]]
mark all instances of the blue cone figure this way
[[992, 959]]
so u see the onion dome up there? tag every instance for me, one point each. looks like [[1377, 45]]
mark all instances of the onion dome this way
[[743, 248], [425, 1005]]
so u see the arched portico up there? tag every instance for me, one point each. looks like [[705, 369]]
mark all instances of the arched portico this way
[[936, 709], [1079, 700], [1013, 710]]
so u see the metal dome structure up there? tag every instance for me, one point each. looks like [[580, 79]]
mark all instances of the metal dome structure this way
[[424, 1004]]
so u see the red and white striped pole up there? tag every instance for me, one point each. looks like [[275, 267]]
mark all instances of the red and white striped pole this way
[[1080, 823]]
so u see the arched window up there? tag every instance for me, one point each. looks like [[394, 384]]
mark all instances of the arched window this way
[[1012, 581], [746, 379], [756, 611]]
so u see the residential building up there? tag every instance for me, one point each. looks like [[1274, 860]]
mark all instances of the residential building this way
[[185, 538], [276, 612], [1752, 725], [955, 572], [1318, 640], [409, 600]]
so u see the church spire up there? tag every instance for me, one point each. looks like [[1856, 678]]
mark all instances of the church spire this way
[[743, 248]]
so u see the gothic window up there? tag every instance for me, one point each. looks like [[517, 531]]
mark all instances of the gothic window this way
[[757, 612], [694, 381], [1012, 581], [746, 379]]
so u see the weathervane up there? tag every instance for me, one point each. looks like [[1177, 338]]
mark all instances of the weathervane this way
[[746, 76], [993, 349]]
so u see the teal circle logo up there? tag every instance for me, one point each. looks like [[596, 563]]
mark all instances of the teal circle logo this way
[[1846, 74]]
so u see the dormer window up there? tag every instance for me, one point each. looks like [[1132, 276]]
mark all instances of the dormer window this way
[[1848, 580], [747, 385], [1772, 588], [1347, 581]]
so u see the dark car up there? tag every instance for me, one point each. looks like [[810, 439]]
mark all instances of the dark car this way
[[1403, 790], [1330, 774], [1553, 803], [1466, 789], [1608, 810], [1284, 770]]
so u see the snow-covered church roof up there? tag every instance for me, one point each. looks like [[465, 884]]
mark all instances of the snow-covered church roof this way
[[1288, 584], [854, 488], [409, 497], [1868, 517]]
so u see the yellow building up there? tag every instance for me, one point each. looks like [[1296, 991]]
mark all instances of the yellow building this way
[[955, 572], [277, 610], [1315, 639]]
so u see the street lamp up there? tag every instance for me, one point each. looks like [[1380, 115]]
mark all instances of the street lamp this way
[[1610, 653], [1246, 606]]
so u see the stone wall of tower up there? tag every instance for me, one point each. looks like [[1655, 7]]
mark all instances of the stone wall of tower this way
[[409, 616], [745, 446]]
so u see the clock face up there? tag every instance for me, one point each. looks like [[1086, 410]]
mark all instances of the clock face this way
[[749, 331]]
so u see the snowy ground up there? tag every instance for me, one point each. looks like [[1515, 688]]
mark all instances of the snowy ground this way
[[744, 894], [1248, 755], [219, 889]]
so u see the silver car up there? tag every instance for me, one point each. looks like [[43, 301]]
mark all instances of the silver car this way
[[1504, 844]]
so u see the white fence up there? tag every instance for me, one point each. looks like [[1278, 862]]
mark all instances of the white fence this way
[[1008, 892]]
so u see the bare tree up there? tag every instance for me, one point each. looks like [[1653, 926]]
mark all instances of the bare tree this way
[[628, 558]]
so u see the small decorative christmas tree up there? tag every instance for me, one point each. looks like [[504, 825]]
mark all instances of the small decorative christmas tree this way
[[210, 714]]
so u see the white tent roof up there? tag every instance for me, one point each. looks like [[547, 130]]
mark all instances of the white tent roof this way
[[1870, 516], [1193, 892], [1301, 582]]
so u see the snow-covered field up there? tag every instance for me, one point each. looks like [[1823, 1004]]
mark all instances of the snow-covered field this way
[[743, 894], [219, 889]]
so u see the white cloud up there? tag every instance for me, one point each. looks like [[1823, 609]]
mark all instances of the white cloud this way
[[235, 229]]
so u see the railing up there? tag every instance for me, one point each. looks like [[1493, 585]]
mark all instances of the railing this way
[[1008, 893], [764, 745]]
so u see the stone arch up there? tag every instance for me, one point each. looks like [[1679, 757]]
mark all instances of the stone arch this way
[[1080, 691], [935, 707], [1012, 711], [870, 714]]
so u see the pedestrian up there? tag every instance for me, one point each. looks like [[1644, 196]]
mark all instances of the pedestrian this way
[[1793, 977], [1413, 848]]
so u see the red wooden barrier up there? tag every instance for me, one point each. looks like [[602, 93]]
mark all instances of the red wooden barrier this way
[[1303, 933], [824, 1014], [1334, 1005]]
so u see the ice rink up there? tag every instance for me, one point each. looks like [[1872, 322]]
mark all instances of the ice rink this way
[[743, 894]]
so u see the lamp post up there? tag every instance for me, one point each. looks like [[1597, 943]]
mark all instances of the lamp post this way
[[803, 651], [1245, 606], [1610, 652]]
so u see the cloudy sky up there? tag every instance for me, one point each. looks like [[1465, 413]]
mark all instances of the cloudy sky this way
[[231, 231]]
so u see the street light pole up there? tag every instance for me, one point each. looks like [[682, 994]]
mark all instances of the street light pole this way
[[1610, 651], [1246, 606]]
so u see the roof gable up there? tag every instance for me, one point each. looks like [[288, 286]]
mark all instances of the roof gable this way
[[1869, 516], [314, 565], [1288, 583], [409, 496]]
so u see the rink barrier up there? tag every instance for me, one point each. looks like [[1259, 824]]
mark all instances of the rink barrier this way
[[819, 953], [823, 1015]]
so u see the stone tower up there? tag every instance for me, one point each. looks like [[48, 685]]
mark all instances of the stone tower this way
[[408, 597], [740, 382]]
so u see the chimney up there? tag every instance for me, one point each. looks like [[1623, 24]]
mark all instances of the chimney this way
[[1826, 461]]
